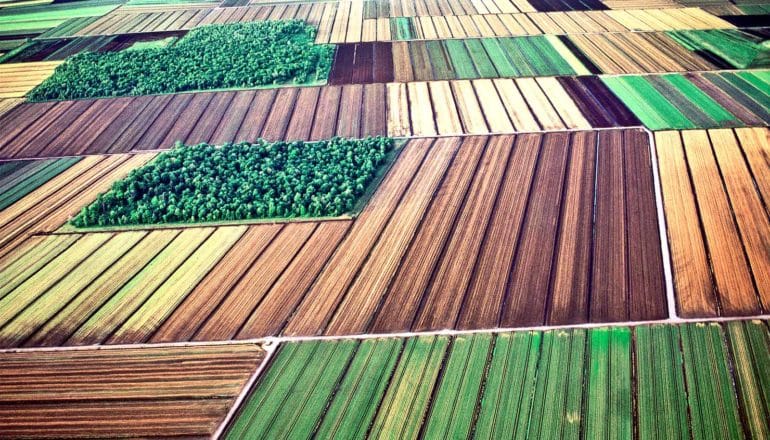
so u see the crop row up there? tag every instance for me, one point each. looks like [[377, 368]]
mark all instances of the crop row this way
[[456, 59], [42, 195], [157, 122], [660, 381]]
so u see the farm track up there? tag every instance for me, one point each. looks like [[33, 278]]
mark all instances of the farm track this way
[[156, 392]]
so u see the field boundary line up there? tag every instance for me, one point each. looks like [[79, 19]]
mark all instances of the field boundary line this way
[[277, 340], [662, 228], [270, 350]]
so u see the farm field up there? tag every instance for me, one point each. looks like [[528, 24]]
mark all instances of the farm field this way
[[19, 78], [161, 392], [498, 385], [401, 265], [417, 219]]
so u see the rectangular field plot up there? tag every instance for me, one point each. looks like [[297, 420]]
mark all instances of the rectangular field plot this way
[[715, 194], [551, 23], [361, 21], [453, 59], [671, 382], [638, 52], [129, 287], [473, 233], [696, 100], [59, 49], [484, 106], [122, 393], [19, 178]]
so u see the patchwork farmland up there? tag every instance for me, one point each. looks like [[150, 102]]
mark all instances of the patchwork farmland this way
[[385, 219]]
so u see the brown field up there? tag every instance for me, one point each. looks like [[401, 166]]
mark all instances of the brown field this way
[[715, 193], [132, 392]]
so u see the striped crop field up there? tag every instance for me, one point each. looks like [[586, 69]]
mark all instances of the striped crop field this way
[[131, 392], [41, 195], [560, 227], [660, 381], [374, 20], [59, 49], [19, 78], [456, 59], [706, 100], [19, 178], [716, 180]]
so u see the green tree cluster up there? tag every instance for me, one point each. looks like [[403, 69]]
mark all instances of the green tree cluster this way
[[203, 183], [210, 57]]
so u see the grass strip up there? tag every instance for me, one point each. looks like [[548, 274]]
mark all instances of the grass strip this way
[[556, 409], [461, 59], [500, 60], [701, 100], [285, 370], [311, 393], [355, 403], [406, 401], [481, 59], [510, 385], [682, 102], [646, 103], [401, 28], [759, 94], [741, 50], [439, 60], [454, 405], [52, 169], [711, 397], [514, 48], [661, 397], [750, 347]]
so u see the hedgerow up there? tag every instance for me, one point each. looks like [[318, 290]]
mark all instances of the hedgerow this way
[[204, 183], [210, 57]]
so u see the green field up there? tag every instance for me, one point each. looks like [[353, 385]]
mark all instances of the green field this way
[[734, 47], [671, 382], [474, 58], [40, 17], [672, 101]]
